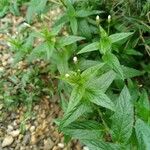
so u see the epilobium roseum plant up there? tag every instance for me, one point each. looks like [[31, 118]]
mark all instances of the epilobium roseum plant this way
[[103, 110], [103, 67]]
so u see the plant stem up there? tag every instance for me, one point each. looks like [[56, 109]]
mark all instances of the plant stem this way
[[108, 28], [103, 121], [147, 48], [62, 1]]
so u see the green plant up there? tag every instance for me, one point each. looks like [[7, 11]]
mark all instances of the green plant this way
[[11, 6], [96, 113], [104, 91]]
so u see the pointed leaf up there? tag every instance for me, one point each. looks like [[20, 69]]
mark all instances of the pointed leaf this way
[[32, 10], [86, 13], [114, 63], [75, 98], [57, 29], [89, 48], [85, 29], [119, 36], [100, 145], [105, 42], [74, 25], [62, 20], [74, 114], [64, 41], [143, 134], [92, 71], [143, 106], [123, 118], [104, 81], [131, 72], [84, 130], [99, 98]]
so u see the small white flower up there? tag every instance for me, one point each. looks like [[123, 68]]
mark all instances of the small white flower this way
[[97, 19], [75, 59], [109, 18], [67, 75]]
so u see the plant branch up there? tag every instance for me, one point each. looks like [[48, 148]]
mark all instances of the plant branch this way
[[147, 48], [103, 121]]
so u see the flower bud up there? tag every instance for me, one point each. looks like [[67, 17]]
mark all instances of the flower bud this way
[[109, 18], [75, 59], [67, 75], [97, 19]]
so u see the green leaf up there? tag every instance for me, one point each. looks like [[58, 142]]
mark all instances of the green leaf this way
[[130, 72], [119, 36], [114, 63], [143, 134], [64, 41], [84, 130], [61, 60], [92, 71], [85, 13], [105, 45], [40, 51], [62, 20], [133, 52], [104, 81], [55, 30], [99, 98], [35, 7], [74, 25], [85, 64], [143, 106], [70, 8], [75, 98], [49, 49], [100, 145], [74, 114], [85, 29], [105, 42], [89, 48], [123, 118]]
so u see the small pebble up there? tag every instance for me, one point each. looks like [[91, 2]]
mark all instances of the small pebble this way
[[61, 145], [10, 61], [10, 128], [8, 140], [6, 56], [4, 63], [48, 144], [15, 133], [33, 139], [32, 128], [26, 138], [36, 107], [15, 123]]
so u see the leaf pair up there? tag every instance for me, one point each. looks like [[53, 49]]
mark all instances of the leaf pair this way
[[72, 16], [53, 47], [105, 42], [86, 92]]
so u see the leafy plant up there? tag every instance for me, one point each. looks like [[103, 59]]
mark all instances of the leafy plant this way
[[102, 65]]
